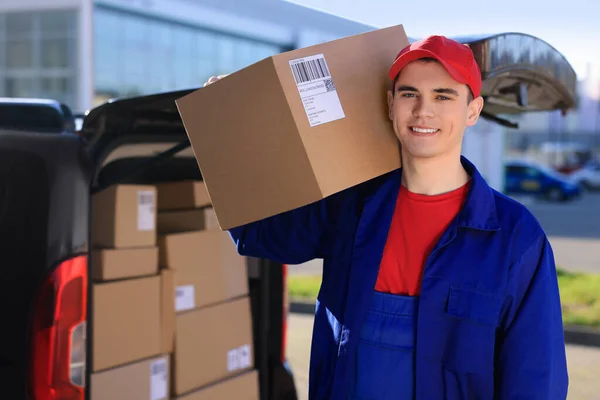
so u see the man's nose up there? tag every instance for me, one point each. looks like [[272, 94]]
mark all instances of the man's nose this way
[[423, 108]]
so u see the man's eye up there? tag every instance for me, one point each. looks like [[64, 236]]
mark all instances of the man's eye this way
[[408, 95], [444, 98]]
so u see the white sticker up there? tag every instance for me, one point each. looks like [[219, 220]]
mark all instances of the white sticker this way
[[158, 379], [146, 207], [317, 90], [185, 298], [232, 360], [245, 356], [239, 358]]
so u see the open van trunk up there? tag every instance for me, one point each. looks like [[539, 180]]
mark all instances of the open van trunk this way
[[142, 141]]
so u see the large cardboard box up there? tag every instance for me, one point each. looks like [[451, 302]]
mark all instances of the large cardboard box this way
[[112, 264], [207, 268], [126, 321], [296, 127], [211, 344], [242, 387], [143, 380], [124, 216], [182, 195], [187, 220]]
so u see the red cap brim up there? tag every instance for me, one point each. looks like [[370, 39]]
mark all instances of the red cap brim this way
[[417, 54]]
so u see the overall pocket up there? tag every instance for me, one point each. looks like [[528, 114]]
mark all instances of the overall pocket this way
[[385, 356]]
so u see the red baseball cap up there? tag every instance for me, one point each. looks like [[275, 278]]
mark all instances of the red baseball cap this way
[[457, 58]]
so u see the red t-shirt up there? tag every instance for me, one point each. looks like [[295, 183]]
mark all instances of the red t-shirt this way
[[417, 225]]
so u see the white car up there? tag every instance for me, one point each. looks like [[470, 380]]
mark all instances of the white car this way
[[588, 177]]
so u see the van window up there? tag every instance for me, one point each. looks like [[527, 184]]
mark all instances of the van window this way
[[31, 117]]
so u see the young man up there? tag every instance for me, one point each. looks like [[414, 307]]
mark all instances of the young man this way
[[434, 285]]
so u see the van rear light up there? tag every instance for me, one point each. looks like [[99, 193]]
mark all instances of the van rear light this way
[[58, 357], [286, 307]]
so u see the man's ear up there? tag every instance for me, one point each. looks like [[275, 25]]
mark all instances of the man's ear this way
[[390, 100], [474, 111]]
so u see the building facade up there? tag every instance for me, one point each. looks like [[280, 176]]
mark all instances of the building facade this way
[[83, 52]]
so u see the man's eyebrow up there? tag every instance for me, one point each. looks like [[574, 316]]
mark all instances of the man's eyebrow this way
[[406, 88], [446, 91]]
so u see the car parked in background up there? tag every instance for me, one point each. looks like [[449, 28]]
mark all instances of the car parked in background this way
[[588, 177], [533, 178]]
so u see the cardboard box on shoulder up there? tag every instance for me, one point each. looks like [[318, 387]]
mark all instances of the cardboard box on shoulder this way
[[241, 387], [321, 126], [211, 344], [126, 323], [207, 268], [124, 216], [142, 380]]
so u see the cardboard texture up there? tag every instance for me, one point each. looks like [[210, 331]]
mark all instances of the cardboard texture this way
[[167, 299], [143, 380], [321, 126], [112, 264], [187, 220], [124, 216], [242, 387], [126, 321], [207, 268], [182, 195], [211, 344]]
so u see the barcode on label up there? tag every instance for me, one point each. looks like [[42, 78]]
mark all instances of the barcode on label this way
[[158, 380], [239, 358], [146, 198], [159, 368], [309, 69]]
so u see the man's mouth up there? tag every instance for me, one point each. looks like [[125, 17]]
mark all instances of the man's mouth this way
[[423, 130]]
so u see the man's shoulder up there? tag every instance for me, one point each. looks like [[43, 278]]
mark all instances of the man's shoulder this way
[[517, 220]]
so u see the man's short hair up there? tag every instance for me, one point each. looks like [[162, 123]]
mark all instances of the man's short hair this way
[[470, 96]]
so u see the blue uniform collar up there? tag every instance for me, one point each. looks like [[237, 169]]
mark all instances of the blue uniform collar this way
[[479, 211]]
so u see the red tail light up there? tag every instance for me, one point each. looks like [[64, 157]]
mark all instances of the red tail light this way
[[58, 355], [286, 305]]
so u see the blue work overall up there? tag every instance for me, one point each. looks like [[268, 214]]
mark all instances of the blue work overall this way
[[385, 360]]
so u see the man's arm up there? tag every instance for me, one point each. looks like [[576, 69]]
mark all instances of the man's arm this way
[[292, 237], [531, 362]]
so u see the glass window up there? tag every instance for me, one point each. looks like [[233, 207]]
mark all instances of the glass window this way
[[39, 55], [135, 55], [57, 23], [184, 58], [205, 54], [20, 87], [19, 25], [55, 53], [19, 53], [139, 55], [226, 55]]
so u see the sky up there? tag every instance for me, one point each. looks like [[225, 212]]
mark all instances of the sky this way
[[572, 27]]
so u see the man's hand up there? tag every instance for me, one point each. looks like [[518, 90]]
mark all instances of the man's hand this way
[[213, 79]]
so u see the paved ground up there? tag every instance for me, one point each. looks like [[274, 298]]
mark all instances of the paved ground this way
[[584, 362], [573, 229]]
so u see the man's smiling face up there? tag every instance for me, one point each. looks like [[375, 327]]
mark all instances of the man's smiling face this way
[[430, 110]]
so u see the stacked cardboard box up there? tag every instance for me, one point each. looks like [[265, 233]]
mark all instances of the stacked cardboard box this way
[[212, 344], [129, 355]]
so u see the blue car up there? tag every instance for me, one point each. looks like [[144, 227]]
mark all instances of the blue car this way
[[529, 177]]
